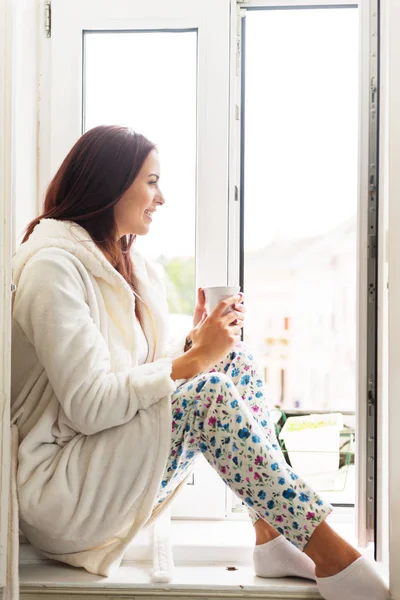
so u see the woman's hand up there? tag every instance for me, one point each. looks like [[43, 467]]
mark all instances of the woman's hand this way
[[239, 307], [212, 338], [200, 313], [215, 335]]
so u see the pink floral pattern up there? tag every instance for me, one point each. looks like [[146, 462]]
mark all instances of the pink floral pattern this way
[[223, 415]]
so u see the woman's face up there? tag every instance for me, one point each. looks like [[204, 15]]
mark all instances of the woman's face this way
[[134, 211]]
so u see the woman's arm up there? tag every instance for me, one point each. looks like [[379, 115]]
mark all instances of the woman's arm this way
[[52, 310], [211, 339], [188, 365]]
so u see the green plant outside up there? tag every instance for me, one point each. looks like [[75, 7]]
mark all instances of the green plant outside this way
[[180, 284]]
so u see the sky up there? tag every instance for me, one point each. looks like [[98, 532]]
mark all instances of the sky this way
[[301, 120], [148, 81]]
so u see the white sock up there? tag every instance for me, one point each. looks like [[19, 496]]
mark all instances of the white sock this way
[[359, 581], [279, 558]]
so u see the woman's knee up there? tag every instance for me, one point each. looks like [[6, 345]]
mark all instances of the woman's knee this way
[[214, 383], [239, 360], [204, 390], [213, 390]]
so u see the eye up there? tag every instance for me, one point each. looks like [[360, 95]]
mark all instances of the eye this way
[[153, 182]]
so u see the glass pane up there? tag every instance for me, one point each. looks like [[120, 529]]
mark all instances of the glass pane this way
[[301, 176], [147, 80]]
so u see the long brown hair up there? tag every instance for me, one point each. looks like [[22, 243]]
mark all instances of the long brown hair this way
[[99, 168]]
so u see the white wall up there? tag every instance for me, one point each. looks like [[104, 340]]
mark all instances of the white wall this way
[[28, 26], [6, 185]]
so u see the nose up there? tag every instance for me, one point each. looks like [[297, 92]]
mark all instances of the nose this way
[[160, 200]]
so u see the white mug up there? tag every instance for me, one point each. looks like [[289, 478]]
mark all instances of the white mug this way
[[214, 295]]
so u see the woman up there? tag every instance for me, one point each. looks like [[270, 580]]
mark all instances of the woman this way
[[95, 387]]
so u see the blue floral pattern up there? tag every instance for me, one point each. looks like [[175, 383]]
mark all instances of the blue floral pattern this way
[[222, 414]]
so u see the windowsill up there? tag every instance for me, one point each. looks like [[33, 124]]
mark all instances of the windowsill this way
[[206, 541], [202, 552], [208, 580]]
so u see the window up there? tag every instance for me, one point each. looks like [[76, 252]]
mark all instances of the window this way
[[300, 218], [298, 120], [119, 87], [164, 70]]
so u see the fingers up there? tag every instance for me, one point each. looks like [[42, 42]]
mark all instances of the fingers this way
[[225, 304], [231, 316], [240, 308], [241, 296], [203, 318], [201, 297], [236, 331], [237, 323], [237, 311]]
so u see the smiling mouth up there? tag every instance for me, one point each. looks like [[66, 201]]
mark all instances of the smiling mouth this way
[[149, 214]]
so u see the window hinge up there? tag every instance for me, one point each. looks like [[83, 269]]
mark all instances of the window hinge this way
[[13, 288], [237, 112], [47, 18], [238, 22], [238, 51]]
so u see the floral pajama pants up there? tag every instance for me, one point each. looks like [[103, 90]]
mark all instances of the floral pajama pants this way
[[223, 415]]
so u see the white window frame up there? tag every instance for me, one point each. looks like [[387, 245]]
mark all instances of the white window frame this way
[[390, 194], [360, 513], [388, 515], [64, 52], [363, 531], [296, 3]]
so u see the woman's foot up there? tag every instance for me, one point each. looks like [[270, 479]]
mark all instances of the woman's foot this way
[[340, 569], [274, 556], [279, 558], [359, 581]]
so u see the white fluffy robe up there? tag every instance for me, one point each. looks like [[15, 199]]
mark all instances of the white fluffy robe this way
[[94, 427]]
